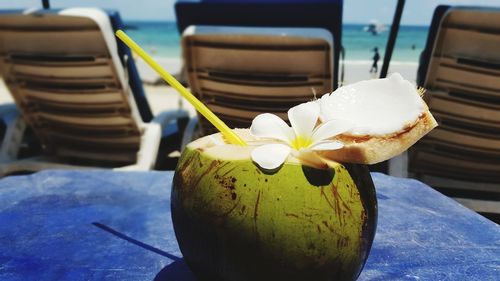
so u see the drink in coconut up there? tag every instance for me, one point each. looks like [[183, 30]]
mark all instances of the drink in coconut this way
[[294, 203]]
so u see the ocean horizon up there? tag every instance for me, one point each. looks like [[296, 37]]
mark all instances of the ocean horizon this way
[[162, 39]]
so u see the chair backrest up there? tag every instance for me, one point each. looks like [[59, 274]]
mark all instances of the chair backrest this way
[[241, 72], [326, 14], [67, 78], [463, 82]]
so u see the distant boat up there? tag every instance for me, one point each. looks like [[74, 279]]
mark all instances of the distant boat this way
[[375, 28]]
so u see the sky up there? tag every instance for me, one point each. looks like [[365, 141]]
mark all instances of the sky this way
[[417, 12]]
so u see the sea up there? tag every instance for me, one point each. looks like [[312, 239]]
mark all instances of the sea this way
[[162, 39]]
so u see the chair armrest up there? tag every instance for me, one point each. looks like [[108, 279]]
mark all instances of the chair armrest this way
[[148, 152], [166, 117], [151, 138], [8, 112]]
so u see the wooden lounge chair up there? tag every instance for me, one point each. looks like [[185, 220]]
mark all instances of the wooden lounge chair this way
[[460, 67], [325, 14], [78, 90], [242, 72], [267, 77]]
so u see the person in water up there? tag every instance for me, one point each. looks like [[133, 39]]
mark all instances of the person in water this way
[[376, 57]]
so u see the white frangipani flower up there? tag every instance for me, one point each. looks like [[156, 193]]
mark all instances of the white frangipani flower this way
[[302, 139]]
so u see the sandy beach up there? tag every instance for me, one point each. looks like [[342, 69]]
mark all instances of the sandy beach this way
[[162, 97]]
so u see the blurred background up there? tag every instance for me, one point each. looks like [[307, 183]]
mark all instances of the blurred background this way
[[152, 24]]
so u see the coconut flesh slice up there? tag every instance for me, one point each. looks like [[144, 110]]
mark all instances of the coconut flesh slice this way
[[387, 115]]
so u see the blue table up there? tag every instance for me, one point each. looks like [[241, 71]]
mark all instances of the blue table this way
[[102, 225]]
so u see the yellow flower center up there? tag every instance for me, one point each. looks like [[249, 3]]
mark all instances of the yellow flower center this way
[[301, 142]]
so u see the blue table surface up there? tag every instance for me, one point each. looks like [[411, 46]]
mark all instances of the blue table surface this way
[[103, 225]]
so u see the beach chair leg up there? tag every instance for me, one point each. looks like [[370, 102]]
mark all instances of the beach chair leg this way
[[398, 166], [13, 133], [189, 132]]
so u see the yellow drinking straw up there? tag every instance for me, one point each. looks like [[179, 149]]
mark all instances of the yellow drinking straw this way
[[229, 135]]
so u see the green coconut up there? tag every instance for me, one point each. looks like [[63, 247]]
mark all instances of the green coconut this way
[[234, 221]]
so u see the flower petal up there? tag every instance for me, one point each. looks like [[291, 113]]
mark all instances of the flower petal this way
[[303, 118], [330, 129], [327, 145], [268, 125], [270, 156], [309, 158], [324, 112]]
